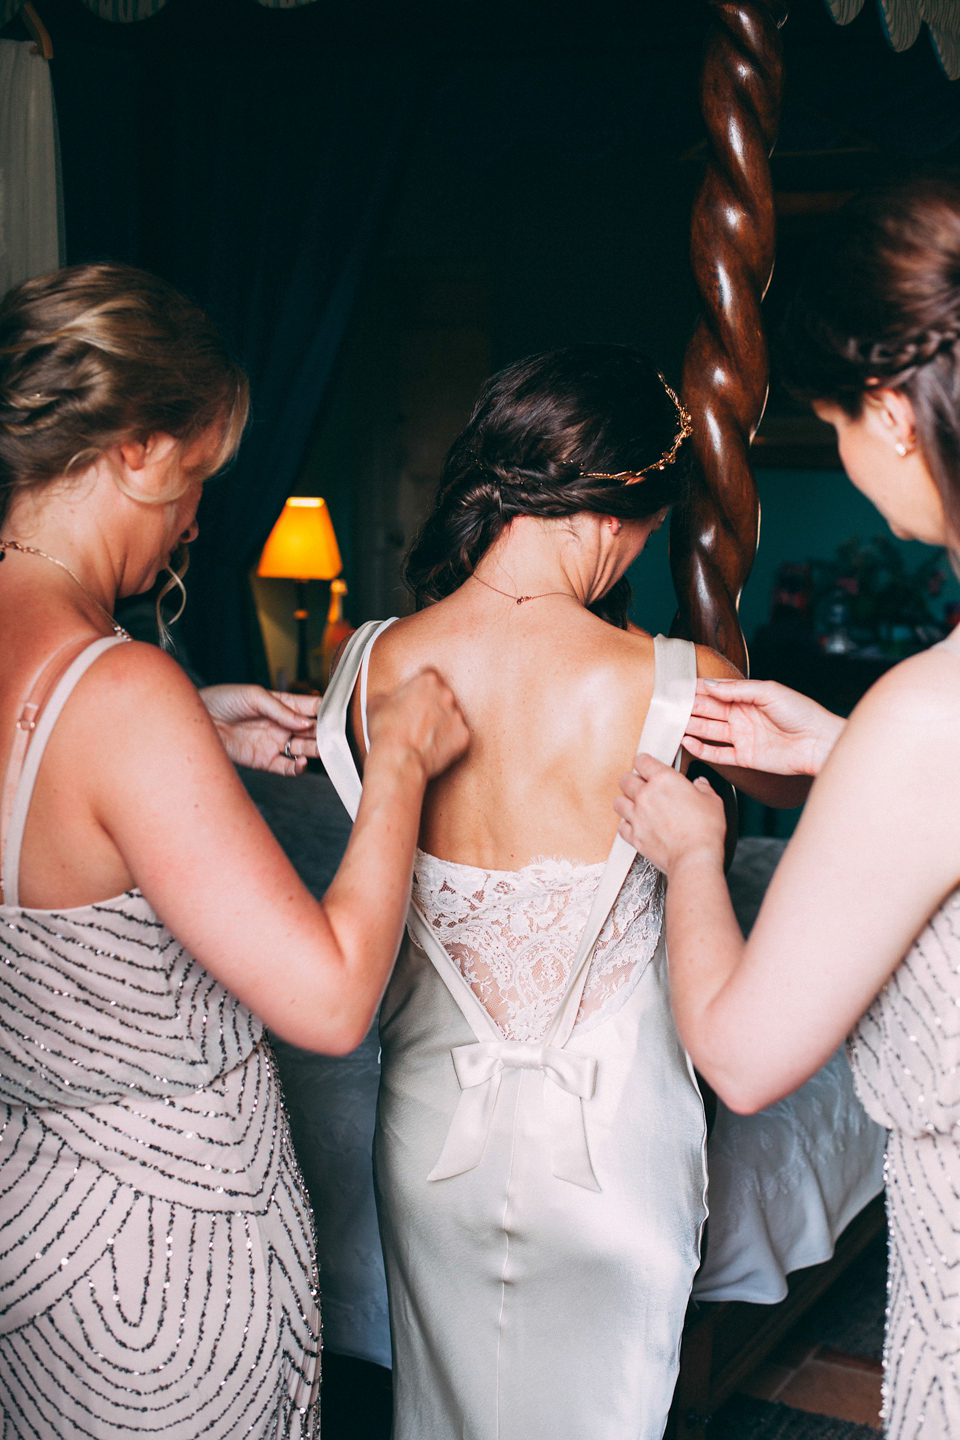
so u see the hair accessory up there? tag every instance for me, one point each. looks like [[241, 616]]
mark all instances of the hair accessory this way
[[668, 456]]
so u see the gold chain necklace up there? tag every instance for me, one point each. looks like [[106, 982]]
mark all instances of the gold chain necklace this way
[[522, 599], [6, 545]]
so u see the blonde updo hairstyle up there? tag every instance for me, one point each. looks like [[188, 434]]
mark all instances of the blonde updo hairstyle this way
[[98, 355]]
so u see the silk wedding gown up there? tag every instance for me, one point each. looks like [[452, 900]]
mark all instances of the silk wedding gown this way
[[539, 1154]]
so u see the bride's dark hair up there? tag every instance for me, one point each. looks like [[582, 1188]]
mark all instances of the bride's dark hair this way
[[537, 427], [879, 305]]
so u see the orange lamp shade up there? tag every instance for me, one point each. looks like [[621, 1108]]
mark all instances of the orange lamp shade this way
[[302, 545]]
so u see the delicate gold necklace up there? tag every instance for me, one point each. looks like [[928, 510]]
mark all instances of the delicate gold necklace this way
[[522, 599], [6, 545]]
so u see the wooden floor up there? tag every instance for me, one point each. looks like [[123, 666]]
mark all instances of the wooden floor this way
[[811, 1377]]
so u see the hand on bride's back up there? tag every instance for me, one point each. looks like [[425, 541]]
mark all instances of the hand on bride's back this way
[[421, 715]]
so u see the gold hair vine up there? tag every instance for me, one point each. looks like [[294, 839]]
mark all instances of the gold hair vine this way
[[668, 456]]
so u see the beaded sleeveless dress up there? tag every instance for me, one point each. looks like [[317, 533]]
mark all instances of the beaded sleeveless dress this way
[[905, 1058], [156, 1249], [539, 1152]]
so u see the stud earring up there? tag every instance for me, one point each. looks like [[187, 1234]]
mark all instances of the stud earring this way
[[900, 448]]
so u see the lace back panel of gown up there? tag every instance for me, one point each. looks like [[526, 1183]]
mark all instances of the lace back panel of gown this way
[[513, 935]]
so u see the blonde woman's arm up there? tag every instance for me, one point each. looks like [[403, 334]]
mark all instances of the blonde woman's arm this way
[[171, 803]]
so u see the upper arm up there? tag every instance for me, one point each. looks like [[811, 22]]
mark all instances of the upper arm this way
[[875, 852], [711, 665], [161, 786]]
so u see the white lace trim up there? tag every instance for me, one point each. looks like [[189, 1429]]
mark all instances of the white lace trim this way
[[513, 935]]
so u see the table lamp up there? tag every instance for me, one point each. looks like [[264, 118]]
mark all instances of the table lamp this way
[[301, 546]]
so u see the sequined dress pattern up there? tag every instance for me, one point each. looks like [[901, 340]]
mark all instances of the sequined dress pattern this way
[[905, 1057], [156, 1250]]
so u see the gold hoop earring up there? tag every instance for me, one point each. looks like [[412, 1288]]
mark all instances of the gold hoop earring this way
[[176, 570]]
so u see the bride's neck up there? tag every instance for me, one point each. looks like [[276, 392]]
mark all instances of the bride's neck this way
[[536, 557]]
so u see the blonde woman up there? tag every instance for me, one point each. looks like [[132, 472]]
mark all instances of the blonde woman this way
[[156, 1257]]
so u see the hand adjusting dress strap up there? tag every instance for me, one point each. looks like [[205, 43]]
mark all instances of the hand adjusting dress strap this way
[[569, 1077]]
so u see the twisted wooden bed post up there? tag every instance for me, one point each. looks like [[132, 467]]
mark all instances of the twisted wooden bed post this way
[[713, 537]]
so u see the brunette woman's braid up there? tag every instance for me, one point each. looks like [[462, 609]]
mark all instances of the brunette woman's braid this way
[[879, 307], [538, 427]]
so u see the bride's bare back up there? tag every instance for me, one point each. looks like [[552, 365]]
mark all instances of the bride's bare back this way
[[555, 700]]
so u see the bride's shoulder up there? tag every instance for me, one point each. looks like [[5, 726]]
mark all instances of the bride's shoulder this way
[[711, 665]]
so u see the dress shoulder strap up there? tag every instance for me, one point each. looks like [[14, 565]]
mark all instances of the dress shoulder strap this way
[[29, 744], [674, 691], [333, 716]]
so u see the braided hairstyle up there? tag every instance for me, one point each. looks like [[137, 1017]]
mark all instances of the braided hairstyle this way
[[537, 427], [95, 355], [879, 305]]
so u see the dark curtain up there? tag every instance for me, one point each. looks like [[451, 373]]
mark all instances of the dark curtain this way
[[253, 174]]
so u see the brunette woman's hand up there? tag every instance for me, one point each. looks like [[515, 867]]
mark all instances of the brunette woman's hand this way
[[257, 726], [760, 725], [421, 717], [667, 818]]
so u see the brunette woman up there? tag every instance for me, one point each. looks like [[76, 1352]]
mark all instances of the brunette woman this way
[[156, 1265], [539, 1149], [860, 929]]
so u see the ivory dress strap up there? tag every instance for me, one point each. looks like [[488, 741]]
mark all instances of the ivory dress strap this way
[[38, 732], [332, 718], [674, 691]]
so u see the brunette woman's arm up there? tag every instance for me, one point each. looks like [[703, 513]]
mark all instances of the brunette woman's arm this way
[[875, 852]]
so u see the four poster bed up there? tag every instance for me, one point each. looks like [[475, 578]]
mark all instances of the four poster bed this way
[[713, 542]]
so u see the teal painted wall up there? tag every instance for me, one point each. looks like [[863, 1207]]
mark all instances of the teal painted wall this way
[[805, 514]]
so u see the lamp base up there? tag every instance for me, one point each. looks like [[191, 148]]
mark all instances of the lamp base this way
[[301, 616]]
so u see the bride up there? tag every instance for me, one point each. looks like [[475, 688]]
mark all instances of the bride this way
[[540, 1142]]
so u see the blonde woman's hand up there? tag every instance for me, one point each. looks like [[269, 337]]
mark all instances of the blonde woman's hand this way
[[668, 818], [760, 725], [264, 729], [422, 717]]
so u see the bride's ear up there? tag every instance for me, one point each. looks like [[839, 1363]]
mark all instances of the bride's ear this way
[[614, 523]]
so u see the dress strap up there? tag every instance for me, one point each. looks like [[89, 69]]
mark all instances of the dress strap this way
[[674, 691], [333, 716], [365, 675], [30, 741]]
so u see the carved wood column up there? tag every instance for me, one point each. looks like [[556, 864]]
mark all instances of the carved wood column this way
[[713, 537]]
